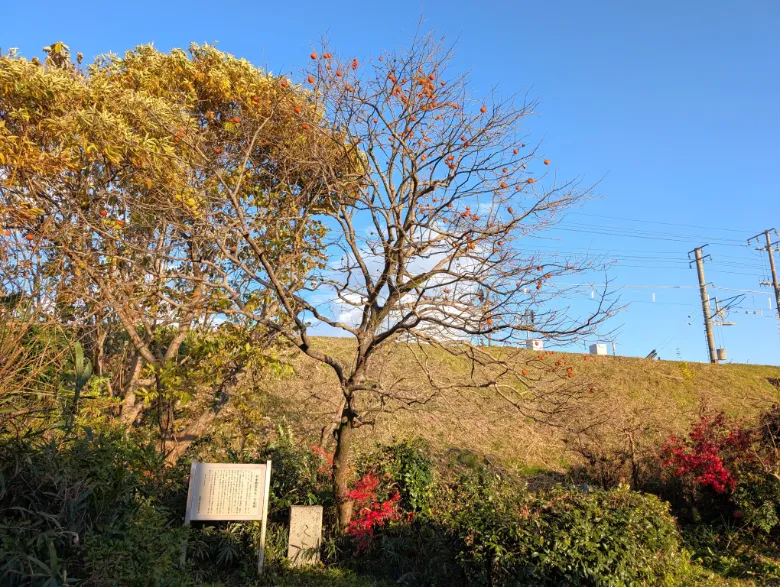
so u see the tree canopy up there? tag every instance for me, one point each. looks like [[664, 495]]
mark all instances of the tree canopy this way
[[115, 176]]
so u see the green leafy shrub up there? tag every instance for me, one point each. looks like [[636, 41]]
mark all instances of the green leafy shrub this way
[[227, 552], [483, 530], [416, 551], [404, 468], [141, 548], [564, 536], [54, 494], [410, 467], [300, 475], [726, 550], [608, 537]]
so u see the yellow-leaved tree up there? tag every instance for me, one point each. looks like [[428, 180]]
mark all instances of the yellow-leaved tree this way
[[113, 178]]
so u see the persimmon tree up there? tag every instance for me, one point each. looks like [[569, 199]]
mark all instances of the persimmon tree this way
[[112, 173], [425, 220]]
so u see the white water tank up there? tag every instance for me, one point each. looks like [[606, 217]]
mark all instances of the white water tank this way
[[534, 344], [598, 349]]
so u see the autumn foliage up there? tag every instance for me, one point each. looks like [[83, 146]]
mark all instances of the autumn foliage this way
[[711, 455], [370, 511], [120, 186], [725, 469]]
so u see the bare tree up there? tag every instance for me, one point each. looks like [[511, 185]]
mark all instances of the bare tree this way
[[423, 242]]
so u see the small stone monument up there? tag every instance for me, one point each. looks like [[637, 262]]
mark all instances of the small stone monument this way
[[305, 535]]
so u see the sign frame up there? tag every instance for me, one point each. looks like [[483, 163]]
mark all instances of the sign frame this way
[[196, 468]]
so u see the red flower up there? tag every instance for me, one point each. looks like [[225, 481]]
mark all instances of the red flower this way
[[709, 456], [372, 513]]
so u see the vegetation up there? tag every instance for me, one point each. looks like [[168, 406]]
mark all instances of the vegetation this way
[[172, 224], [426, 247]]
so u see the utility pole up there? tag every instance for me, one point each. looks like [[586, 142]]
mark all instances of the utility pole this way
[[770, 252], [705, 301]]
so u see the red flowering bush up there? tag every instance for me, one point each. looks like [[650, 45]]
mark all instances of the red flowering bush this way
[[720, 470], [711, 456], [371, 511]]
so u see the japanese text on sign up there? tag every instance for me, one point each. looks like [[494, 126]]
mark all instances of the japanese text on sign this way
[[227, 492]]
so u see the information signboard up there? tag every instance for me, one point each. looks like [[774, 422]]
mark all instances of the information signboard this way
[[222, 492]]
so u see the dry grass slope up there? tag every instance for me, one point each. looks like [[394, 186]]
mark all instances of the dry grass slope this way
[[635, 405]]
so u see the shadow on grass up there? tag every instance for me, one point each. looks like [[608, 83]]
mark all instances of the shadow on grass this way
[[322, 577], [731, 555]]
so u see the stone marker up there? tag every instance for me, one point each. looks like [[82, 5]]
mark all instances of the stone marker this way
[[305, 534]]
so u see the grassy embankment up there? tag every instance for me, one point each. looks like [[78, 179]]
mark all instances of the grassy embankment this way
[[646, 400]]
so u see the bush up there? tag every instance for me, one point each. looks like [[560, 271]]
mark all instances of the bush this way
[[483, 530], [597, 537], [142, 548], [726, 550], [725, 472], [300, 476], [404, 468], [409, 466], [53, 495], [417, 551]]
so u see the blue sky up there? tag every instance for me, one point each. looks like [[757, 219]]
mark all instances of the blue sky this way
[[671, 106]]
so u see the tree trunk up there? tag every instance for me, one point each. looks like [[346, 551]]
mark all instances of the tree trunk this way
[[341, 465], [130, 410], [98, 360], [200, 425], [328, 431]]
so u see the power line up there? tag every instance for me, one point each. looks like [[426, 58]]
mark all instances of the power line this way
[[669, 268], [658, 222], [594, 285], [634, 233], [611, 256], [670, 238], [646, 232]]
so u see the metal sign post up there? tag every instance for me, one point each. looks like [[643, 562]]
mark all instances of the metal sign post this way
[[229, 493]]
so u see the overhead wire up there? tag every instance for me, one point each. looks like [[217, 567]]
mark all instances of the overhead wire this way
[[742, 264], [645, 221], [612, 231], [629, 230]]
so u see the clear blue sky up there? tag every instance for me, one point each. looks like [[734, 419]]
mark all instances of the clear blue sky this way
[[673, 104]]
